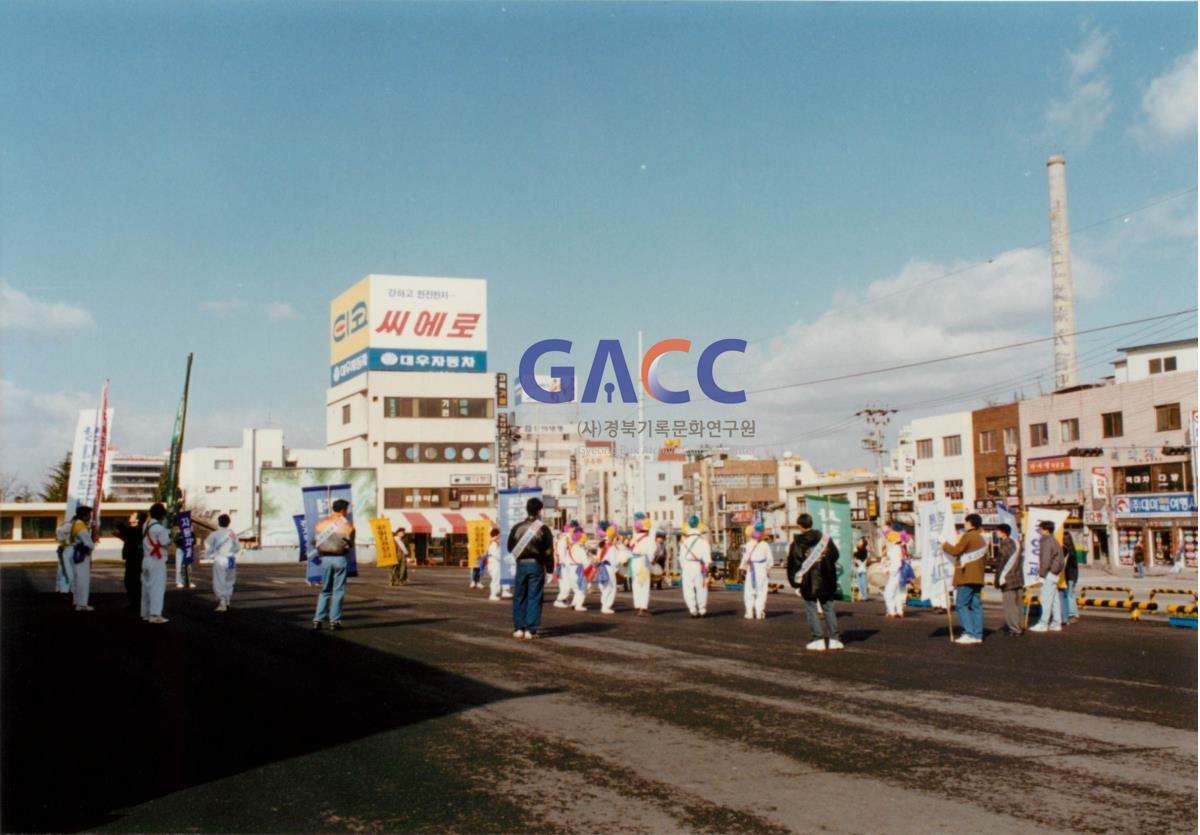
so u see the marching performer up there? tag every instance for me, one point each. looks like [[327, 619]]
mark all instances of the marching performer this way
[[604, 566], [222, 548], [561, 575], [491, 563], [573, 569], [695, 556], [637, 564], [894, 591], [156, 541], [78, 553], [756, 561]]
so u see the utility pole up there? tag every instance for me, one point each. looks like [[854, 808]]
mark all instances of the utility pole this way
[[878, 417], [641, 437]]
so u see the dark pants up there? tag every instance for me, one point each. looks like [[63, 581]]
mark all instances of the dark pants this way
[[133, 582], [527, 595], [814, 619]]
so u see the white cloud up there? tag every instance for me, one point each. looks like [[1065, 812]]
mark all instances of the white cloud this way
[[1075, 118], [21, 312], [281, 310], [1169, 105]]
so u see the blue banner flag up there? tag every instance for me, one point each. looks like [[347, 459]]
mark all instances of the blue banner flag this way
[[188, 536], [302, 536], [512, 513], [318, 503]]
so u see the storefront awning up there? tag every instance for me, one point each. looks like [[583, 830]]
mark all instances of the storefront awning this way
[[442, 522]]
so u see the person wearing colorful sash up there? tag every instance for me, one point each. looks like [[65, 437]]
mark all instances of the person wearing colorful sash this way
[[812, 571], [156, 541], [66, 568], [1050, 565], [756, 562], [398, 576], [574, 566], [695, 557], [969, 565], [1010, 578], [333, 539], [895, 592], [531, 545], [78, 552], [604, 566], [222, 548], [637, 564], [491, 564]]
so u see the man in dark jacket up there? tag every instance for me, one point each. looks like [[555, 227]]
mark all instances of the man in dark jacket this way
[[131, 552], [532, 546], [1050, 565], [812, 568], [1010, 579]]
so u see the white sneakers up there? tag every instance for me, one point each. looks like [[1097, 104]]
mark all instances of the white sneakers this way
[[1038, 627], [156, 619], [493, 597], [607, 612], [222, 606], [834, 643], [967, 639], [559, 604], [817, 645], [84, 609], [749, 616], [580, 608], [518, 633]]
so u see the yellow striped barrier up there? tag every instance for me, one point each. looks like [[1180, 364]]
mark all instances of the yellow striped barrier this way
[[1083, 592], [1181, 609], [1174, 592]]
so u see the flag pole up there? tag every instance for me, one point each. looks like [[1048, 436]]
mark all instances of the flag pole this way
[[177, 445]]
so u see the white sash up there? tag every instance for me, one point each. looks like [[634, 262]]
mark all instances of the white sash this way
[[817, 552], [528, 536], [972, 556], [1008, 565]]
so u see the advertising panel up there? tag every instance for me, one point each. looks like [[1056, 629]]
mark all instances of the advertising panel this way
[[349, 322], [282, 501]]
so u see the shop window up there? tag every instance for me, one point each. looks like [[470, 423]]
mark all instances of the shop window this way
[[925, 448], [954, 488], [996, 487], [1068, 430], [925, 491], [38, 527], [1039, 434], [1167, 417], [1132, 479], [1112, 424]]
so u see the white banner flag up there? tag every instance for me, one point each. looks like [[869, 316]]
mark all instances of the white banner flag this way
[[935, 523], [1033, 517], [87, 458]]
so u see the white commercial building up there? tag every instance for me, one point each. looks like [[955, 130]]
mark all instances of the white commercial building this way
[[410, 396], [943, 461], [132, 478]]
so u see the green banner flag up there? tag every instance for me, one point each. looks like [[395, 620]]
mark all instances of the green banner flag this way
[[170, 494], [832, 517]]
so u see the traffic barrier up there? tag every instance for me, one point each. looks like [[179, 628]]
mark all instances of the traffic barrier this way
[[1111, 603], [1083, 592], [1174, 592], [1181, 609]]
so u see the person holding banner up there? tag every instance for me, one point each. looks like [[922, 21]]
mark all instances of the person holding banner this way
[[1010, 578], [695, 556], [491, 564], [222, 548], [78, 552], [1050, 565], [812, 570], [156, 541], [333, 538], [637, 565], [756, 562], [531, 545], [969, 569]]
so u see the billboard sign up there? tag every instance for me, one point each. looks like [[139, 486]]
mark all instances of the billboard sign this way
[[282, 500]]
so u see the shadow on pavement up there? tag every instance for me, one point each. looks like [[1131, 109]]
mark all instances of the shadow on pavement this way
[[101, 712], [855, 636]]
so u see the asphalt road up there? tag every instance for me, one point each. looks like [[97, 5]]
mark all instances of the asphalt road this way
[[425, 715]]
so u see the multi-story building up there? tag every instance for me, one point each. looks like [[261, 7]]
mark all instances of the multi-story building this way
[[1117, 455], [726, 492], [996, 441], [547, 456], [410, 395], [943, 466], [132, 478]]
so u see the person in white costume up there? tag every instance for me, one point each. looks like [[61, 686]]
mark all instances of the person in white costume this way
[[573, 569], [638, 561], [895, 590], [78, 554], [222, 548], [156, 540], [491, 562], [563, 574], [610, 555], [695, 557], [756, 562]]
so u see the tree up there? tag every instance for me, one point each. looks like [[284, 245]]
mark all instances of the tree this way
[[12, 489], [57, 481]]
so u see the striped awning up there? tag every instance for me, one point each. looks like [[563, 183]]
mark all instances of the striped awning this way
[[442, 522]]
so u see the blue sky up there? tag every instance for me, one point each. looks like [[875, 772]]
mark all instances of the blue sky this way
[[207, 177]]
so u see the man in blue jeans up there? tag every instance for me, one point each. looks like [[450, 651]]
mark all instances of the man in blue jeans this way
[[333, 539], [532, 547], [968, 556]]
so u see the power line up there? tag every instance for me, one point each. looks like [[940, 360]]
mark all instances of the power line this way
[[964, 355]]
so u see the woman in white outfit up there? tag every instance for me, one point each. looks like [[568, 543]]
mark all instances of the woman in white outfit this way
[[894, 591], [573, 567], [611, 555], [561, 573], [756, 562], [695, 556], [222, 548], [491, 561]]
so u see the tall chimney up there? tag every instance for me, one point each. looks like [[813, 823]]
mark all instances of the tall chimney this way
[[1065, 366]]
